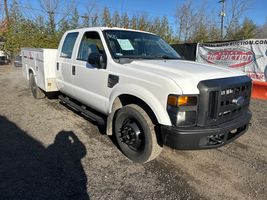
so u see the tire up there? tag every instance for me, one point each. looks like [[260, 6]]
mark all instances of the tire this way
[[37, 93], [135, 134]]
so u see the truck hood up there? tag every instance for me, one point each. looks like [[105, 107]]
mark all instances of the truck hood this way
[[186, 74]]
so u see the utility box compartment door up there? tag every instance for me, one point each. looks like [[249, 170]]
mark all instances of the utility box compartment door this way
[[43, 64]]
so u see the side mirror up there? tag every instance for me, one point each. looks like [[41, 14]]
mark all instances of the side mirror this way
[[97, 60]]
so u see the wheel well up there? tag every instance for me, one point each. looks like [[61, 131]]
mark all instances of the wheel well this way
[[126, 99], [30, 71]]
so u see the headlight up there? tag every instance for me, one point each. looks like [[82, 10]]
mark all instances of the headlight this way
[[174, 100], [182, 110]]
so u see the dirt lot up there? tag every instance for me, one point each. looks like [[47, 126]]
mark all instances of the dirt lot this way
[[49, 152]]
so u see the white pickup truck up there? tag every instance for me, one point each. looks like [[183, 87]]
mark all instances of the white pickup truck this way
[[135, 84]]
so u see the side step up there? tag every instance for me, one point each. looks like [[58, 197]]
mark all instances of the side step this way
[[83, 110]]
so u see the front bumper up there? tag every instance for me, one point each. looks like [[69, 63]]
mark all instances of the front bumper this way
[[205, 137]]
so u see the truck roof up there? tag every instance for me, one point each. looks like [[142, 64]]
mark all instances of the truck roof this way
[[102, 28]]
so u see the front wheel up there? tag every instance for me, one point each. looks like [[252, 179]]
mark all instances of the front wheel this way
[[135, 134], [37, 93]]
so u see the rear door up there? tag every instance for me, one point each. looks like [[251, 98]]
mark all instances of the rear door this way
[[64, 65]]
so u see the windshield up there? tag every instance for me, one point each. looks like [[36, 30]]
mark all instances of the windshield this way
[[138, 45]]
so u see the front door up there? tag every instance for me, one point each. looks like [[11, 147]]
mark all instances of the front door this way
[[90, 83]]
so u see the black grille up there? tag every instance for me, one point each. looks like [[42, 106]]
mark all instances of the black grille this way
[[222, 100]]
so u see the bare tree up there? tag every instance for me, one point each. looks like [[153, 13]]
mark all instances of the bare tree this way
[[125, 21], [85, 20], [142, 22], [134, 22], [200, 26], [50, 7], [186, 18], [74, 21], [116, 19], [106, 19], [90, 17], [262, 30], [235, 10], [56, 10], [194, 24], [95, 20]]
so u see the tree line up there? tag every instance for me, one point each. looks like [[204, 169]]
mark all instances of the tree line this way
[[192, 24]]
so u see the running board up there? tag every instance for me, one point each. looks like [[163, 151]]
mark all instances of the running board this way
[[83, 110]]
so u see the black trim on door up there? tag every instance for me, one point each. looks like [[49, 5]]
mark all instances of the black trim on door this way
[[73, 70]]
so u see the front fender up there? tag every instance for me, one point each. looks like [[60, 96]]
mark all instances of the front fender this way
[[149, 98]]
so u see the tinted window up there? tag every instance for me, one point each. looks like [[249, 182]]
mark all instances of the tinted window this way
[[91, 43], [68, 45]]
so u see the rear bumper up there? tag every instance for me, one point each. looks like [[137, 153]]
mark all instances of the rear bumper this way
[[205, 137]]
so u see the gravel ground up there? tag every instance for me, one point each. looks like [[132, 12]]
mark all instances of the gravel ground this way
[[49, 152]]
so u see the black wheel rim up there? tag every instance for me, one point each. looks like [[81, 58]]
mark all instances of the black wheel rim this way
[[132, 135]]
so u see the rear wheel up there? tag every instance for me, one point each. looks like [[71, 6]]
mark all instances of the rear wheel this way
[[135, 134], [37, 93]]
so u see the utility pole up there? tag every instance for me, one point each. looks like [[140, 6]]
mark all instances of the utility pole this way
[[6, 11], [222, 14]]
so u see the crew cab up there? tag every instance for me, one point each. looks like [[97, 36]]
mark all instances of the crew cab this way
[[136, 85]]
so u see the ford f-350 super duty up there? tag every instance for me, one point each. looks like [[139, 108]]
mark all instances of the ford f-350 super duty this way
[[135, 84]]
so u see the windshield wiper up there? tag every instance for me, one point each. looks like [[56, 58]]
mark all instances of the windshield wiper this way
[[166, 57], [122, 60], [129, 58]]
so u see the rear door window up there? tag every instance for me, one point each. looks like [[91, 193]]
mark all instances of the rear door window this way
[[68, 45]]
